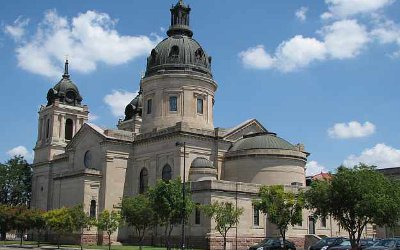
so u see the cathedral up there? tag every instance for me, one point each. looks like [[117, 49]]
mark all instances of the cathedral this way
[[167, 132]]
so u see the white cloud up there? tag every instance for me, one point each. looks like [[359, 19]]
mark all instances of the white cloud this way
[[346, 8], [301, 13], [118, 100], [341, 40], [352, 129], [88, 39], [380, 155], [22, 151], [313, 168], [17, 29], [256, 57], [344, 39], [298, 52], [387, 32]]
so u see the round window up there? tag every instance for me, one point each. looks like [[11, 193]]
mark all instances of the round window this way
[[87, 161]]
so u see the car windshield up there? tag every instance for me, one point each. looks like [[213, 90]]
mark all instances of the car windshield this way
[[326, 241], [346, 243], [386, 243], [366, 242], [267, 242]]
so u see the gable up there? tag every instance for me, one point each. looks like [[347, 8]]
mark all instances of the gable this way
[[86, 135], [247, 127]]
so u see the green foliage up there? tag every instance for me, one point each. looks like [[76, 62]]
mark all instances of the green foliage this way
[[225, 216], [167, 202], [38, 222], [59, 221], [7, 215], [22, 220], [15, 182], [109, 222], [355, 197], [284, 208], [137, 212], [80, 219]]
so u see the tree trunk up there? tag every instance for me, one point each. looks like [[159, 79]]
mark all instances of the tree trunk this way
[[109, 241], [38, 238], [225, 242], [58, 240], [166, 236], [21, 235], [169, 236]]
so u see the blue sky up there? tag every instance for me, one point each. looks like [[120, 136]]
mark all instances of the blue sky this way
[[323, 73]]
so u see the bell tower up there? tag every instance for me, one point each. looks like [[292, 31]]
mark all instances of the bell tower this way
[[60, 119]]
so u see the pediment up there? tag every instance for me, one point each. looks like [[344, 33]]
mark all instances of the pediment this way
[[247, 127], [88, 132]]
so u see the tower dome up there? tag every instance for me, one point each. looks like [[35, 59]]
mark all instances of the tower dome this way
[[179, 51], [134, 107], [65, 91]]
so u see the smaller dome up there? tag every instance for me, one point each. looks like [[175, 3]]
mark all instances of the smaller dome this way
[[65, 91], [134, 107], [201, 162], [262, 141]]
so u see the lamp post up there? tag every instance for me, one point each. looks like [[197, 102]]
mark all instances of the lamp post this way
[[180, 144]]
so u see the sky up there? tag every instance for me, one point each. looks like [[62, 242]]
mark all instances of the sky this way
[[322, 73]]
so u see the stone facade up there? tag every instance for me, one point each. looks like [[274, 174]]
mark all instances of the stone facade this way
[[97, 167]]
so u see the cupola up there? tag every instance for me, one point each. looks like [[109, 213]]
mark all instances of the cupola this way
[[65, 91]]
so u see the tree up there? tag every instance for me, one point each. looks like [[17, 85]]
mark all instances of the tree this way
[[284, 208], [356, 197], [167, 202], [38, 222], [60, 221], [22, 220], [15, 182], [225, 216], [7, 216], [109, 222], [138, 213], [80, 220]]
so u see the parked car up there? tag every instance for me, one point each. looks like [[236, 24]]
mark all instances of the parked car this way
[[364, 243], [346, 244], [326, 242], [272, 244], [386, 244]]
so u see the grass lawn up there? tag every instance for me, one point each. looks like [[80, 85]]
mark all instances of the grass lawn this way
[[104, 247]]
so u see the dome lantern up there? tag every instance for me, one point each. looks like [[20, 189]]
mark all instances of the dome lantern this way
[[180, 20]]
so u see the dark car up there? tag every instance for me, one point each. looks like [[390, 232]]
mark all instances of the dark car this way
[[346, 244], [326, 242], [364, 243], [386, 244], [272, 244]]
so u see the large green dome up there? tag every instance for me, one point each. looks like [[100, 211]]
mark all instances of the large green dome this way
[[261, 141], [179, 52]]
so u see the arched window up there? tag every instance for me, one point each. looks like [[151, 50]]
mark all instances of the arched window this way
[[143, 181], [166, 173], [92, 212], [69, 124], [48, 128], [199, 55], [174, 52]]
